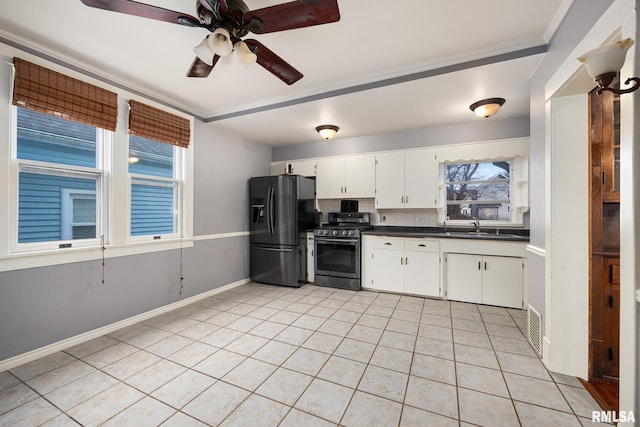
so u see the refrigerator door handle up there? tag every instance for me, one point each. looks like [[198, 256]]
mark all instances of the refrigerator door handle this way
[[272, 213], [263, 248], [268, 209]]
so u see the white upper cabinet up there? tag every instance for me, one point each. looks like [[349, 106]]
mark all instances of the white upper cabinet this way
[[341, 177], [302, 167], [407, 180], [330, 178], [278, 168], [421, 179]]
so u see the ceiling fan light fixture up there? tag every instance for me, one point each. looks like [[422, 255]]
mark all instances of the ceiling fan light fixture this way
[[487, 107], [204, 52], [327, 131], [220, 42], [244, 54]]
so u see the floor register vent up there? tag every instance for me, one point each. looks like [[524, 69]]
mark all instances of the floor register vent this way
[[535, 329]]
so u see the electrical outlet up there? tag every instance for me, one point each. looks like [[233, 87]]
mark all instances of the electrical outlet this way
[[383, 218], [419, 219]]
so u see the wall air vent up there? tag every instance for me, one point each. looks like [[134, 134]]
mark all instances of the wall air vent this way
[[534, 326]]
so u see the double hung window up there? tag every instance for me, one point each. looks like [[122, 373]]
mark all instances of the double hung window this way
[[155, 188], [70, 185], [60, 181], [479, 190]]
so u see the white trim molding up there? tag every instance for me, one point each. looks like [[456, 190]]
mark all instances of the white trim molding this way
[[32, 355], [541, 252], [221, 235]]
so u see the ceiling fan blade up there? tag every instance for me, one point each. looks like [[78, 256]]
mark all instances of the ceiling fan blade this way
[[211, 5], [295, 14], [200, 69], [135, 8], [273, 63]]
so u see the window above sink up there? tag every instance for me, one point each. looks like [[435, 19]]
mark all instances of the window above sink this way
[[483, 193]]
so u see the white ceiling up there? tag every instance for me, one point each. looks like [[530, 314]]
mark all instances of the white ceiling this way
[[347, 65]]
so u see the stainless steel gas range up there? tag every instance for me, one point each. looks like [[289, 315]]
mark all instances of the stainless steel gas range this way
[[338, 250]]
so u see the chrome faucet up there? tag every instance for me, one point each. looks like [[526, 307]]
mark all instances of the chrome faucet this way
[[476, 224]]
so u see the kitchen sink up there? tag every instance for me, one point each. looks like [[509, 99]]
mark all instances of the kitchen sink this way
[[484, 235], [468, 233]]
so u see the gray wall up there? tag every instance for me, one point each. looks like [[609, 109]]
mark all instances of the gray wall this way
[[581, 17], [482, 130], [40, 306]]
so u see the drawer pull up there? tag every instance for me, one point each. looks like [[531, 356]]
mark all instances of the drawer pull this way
[[387, 244], [422, 245]]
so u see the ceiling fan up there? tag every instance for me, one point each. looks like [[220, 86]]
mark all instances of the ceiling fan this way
[[229, 21]]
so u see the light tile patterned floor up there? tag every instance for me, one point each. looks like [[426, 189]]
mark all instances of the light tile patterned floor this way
[[263, 355]]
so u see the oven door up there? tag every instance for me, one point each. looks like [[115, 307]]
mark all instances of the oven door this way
[[337, 257]]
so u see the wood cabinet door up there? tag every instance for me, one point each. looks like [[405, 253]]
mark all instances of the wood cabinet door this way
[[502, 281], [330, 178], [464, 277], [360, 176], [420, 178], [422, 273], [303, 167], [390, 181], [311, 260], [388, 266]]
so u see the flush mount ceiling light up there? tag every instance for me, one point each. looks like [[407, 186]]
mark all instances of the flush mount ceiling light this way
[[603, 64], [327, 131], [487, 107]]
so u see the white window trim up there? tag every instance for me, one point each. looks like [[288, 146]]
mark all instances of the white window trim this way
[[103, 143], [516, 150], [483, 222], [113, 162], [177, 211], [69, 195]]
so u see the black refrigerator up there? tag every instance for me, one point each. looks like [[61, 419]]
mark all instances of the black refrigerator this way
[[282, 210]]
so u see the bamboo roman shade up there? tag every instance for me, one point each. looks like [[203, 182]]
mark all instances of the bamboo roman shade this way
[[152, 123], [40, 89]]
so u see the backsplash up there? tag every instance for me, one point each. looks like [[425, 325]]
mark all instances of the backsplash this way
[[391, 217]]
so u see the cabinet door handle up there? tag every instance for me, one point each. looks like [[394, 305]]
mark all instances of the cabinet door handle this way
[[402, 199], [345, 189], [401, 261], [406, 260], [485, 265], [406, 199], [479, 266]]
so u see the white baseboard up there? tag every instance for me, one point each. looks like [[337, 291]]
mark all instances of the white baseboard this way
[[546, 349], [32, 355]]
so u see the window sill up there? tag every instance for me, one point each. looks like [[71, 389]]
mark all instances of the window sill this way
[[19, 261]]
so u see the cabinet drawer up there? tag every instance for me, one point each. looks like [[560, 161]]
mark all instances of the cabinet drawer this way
[[388, 243], [422, 245]]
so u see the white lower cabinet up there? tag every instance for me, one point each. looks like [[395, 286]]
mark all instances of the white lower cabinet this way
[[311, 260], [402, 265], [485, 279]]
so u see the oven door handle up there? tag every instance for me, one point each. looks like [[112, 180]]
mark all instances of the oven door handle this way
[[263, 248], [322, 240]]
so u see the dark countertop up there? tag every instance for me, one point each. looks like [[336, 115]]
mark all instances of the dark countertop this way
[[501, 234]]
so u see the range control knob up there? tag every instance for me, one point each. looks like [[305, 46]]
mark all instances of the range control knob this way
[[351, 233], [335, 232], [344, 232]]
